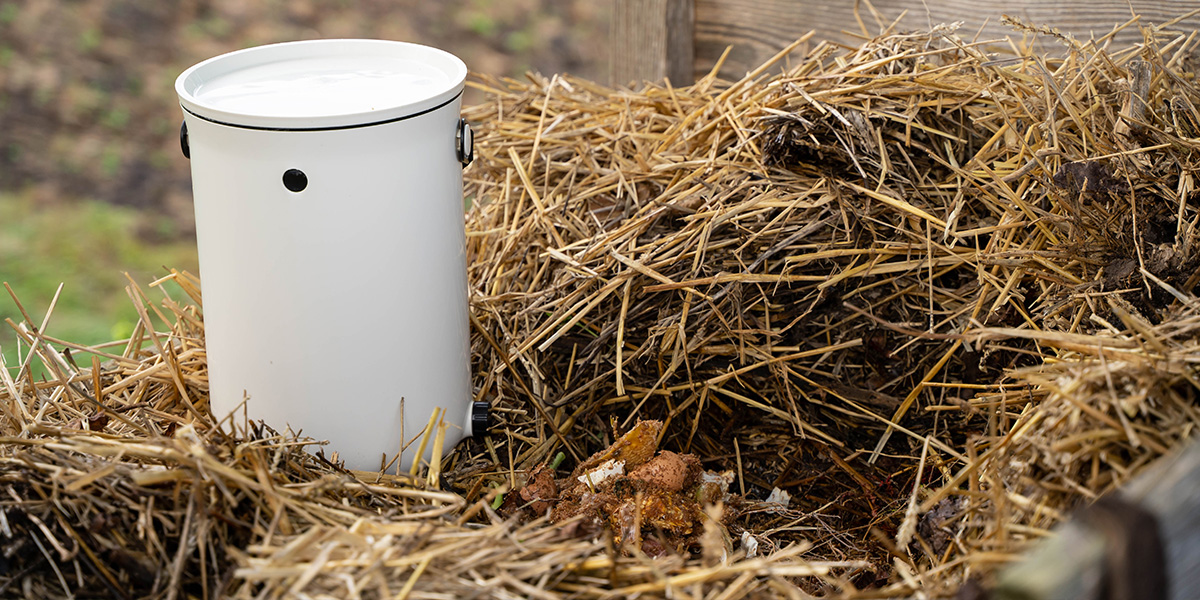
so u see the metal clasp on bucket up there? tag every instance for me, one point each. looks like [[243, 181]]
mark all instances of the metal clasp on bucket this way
[[183, 141], [464, 140]]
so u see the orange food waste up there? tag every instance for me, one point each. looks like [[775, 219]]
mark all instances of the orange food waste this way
[[650, 501]]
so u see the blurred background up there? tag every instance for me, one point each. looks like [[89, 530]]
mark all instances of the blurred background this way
[[92, 182]]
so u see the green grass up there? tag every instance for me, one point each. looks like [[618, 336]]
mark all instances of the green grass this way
[[87, 247]]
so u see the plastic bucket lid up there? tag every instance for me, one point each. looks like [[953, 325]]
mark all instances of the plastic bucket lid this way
[[321, 84]]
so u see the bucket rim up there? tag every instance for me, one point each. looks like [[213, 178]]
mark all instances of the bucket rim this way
[[441, 75]]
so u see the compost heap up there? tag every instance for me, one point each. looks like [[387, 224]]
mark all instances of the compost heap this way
[[919, 299]]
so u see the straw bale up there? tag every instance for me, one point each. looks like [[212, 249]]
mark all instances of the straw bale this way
[[939, 295]]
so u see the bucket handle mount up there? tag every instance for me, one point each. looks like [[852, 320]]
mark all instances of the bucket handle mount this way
[[464, 142]]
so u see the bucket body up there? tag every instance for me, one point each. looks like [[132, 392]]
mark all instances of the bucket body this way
[[333, 267]]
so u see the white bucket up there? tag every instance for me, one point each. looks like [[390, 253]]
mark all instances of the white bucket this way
[[327, 178]]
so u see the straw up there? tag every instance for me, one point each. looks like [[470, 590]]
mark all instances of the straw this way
[[940, 294]]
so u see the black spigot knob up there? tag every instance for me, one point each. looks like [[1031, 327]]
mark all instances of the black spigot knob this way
[[481, 417]]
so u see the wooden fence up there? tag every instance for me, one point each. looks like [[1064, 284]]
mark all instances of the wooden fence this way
[[682, 39]]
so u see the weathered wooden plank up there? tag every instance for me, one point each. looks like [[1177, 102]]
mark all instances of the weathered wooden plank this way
[[756, 29], [651, 40], [1070, 564]]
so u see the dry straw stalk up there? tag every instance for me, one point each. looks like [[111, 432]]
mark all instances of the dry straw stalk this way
[[940, 290]]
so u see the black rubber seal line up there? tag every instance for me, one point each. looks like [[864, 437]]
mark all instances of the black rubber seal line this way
[[332, 128]]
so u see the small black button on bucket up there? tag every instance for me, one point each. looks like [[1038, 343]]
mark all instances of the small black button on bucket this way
[[295, 180]]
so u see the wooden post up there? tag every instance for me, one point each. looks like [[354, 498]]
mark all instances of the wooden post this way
[[757, 29], [1071, 564], [651, 40]]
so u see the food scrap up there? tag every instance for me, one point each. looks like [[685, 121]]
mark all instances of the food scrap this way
[[650, 500]]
